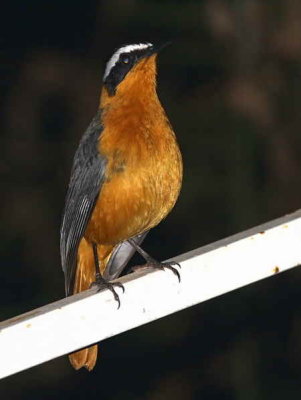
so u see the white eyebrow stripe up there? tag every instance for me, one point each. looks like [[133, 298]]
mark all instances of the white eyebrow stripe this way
[[125, 49]]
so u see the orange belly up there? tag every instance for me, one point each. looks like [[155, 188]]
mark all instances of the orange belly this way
[[143, 172], [130, 203], [138, 196]]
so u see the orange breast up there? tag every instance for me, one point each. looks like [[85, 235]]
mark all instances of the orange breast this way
[[143, 177]]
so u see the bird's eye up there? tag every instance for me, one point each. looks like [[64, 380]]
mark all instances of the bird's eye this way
[[125, 60]]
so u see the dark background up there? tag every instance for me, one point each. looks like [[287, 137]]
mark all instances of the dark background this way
[[231, 85]]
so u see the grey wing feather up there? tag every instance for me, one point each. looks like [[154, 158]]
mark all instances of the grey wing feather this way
[[121, 255], [87, 177]]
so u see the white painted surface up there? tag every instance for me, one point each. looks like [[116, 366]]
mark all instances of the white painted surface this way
[[72, 323]]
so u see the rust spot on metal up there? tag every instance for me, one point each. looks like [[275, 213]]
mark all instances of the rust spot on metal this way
[[276, 270], [28, 325], [262, 232]]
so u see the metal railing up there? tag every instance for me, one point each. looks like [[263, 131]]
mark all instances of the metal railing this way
[[75, 322]]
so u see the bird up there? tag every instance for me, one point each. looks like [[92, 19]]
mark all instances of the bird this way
[[125, 178]]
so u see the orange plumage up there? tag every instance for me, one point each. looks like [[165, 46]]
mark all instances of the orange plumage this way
[[142, 178]]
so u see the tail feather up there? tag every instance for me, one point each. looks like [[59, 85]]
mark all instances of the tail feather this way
[[85, 275], [84, 358]]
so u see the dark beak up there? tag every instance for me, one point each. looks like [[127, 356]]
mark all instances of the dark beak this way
[[157, 48]]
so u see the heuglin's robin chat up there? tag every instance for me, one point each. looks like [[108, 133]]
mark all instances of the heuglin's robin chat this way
[[126, 177]]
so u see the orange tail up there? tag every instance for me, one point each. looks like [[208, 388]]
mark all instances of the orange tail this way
[[85, 275]]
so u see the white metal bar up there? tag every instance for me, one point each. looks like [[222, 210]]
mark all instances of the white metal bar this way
[[78, 321]]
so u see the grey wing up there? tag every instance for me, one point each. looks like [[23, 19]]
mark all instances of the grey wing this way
[[86, 180], [121, 255]]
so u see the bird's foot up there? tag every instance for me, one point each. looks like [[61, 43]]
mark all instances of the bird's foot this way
[[151, 263], [102, 284]]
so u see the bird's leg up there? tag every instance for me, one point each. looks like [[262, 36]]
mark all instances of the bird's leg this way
[[151, 262], [100, 282]]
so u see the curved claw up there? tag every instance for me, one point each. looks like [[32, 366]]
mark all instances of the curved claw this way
[[172, 263], [119, 285], [102, 284], [168, 265], [160, 265]]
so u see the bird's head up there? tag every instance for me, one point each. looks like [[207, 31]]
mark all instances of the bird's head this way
[[129, 66]]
